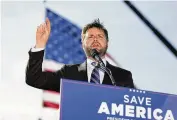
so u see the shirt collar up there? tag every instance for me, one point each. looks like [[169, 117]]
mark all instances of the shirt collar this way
[[89, 61]]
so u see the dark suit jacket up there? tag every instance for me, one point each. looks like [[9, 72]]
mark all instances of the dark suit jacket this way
[[37, 78]]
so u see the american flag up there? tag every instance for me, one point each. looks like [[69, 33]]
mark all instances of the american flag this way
[[63, 47]]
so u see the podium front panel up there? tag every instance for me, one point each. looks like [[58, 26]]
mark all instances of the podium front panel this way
[[89, 101]]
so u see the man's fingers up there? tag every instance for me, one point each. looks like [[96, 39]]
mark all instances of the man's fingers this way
[[39, 29], [44, 27], [48, 24]]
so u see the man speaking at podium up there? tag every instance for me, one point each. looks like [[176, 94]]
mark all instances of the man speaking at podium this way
[[95, 69]]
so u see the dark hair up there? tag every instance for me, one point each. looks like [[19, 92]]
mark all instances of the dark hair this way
[[96, 23]]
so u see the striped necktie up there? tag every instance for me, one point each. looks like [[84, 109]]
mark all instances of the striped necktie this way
[[95, 76]]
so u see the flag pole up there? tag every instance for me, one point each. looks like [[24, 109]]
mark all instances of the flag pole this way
[[45, 6], [156, 32]]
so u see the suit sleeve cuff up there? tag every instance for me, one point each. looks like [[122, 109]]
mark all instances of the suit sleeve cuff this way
[[36, 55]]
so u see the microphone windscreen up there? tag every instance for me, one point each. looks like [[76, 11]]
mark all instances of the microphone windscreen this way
[[94, 52]]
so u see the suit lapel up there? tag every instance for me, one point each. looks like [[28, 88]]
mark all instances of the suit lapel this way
[[106, 79], [82, 70]]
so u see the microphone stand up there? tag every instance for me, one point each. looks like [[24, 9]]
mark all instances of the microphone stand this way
[[108, 71]]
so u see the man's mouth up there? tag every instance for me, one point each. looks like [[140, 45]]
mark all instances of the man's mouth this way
[[95, 45]]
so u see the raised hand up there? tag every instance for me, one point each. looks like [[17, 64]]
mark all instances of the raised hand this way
[[42, 34]]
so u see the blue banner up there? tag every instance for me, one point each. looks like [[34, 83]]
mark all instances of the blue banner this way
[[87, 101]]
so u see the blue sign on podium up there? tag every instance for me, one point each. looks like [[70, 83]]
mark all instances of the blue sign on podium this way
[[89, 101]]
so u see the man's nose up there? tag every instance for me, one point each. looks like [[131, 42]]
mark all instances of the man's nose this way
[[95, 39]]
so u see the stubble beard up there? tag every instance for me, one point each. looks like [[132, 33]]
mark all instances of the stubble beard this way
[[101, 52]]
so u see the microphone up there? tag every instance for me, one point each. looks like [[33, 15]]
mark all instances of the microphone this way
[[94, 53], [101, 65]]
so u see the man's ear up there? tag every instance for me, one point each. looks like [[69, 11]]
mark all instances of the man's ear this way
[[82, 40], [82, 37]]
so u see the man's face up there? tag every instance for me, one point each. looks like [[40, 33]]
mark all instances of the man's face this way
[[94, 39]]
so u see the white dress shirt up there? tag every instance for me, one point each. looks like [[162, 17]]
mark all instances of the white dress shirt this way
[[90, 67], [36, 49]]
